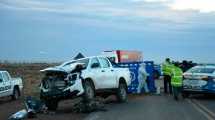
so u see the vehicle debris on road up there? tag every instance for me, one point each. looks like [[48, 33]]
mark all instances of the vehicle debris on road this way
[[88, 107], [32, 107]]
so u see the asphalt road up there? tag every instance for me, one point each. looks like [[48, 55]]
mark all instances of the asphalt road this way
[[138, 107], [162, 107]]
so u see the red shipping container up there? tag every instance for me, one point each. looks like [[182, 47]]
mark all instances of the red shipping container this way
[[123, 56]]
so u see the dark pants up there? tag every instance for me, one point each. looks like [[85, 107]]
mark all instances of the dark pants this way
[[176, 92], [167, 84]]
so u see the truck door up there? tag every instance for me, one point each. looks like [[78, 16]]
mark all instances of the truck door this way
[[109, 79], [95, 71], [7, 84], [2, 85]]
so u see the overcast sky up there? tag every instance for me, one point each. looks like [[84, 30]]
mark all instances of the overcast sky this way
[[55, 30]]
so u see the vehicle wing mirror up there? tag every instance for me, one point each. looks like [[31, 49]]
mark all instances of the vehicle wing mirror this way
[[95, 65]]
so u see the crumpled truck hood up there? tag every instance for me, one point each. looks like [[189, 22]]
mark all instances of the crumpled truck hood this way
[[53, 69], [64, 69]]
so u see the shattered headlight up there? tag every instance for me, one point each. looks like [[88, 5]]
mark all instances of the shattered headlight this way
[[71, 83], [72, 78]]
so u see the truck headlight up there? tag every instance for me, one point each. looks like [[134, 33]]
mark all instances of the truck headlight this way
[[72, 82]]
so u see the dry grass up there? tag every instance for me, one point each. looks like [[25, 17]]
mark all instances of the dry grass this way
[[29, 72]]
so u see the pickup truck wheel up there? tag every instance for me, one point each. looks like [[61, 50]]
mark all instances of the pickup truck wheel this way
[[122, 93], [52, 105], [15, 95], [89, 92]]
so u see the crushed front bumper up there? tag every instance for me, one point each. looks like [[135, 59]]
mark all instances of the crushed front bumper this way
[[75, 90]]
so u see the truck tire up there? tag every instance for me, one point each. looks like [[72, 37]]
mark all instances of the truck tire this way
[[52, 105], [89, 91], [122, 93], [16, 94]]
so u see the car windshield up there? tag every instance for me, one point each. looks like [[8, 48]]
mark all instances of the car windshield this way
[[85, 61]]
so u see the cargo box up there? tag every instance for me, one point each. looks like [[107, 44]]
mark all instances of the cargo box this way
[[124, 56]]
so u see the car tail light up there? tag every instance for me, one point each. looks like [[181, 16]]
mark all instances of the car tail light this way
[[205, 78], [208, 78]]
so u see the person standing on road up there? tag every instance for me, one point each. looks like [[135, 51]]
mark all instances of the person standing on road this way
[[176, 81], [166, 69], [142, 77]]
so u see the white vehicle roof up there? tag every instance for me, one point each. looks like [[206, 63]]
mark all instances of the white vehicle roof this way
[[202, 67], [205, 66], [81, 59], [1, 71], [65, 68]]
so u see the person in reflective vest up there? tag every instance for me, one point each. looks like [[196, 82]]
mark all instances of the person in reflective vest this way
[[167, 69], [176, 81]]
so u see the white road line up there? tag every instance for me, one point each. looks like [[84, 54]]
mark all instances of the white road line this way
[[204, 108], [200, 110]]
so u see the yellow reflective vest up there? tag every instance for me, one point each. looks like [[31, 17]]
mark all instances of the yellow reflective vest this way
[[167, 68], [177, 77]]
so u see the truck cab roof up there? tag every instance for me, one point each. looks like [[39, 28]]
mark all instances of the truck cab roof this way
[[1, 71]]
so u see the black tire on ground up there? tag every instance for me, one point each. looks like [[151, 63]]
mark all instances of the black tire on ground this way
[[16, 94], [121, 93], [89, 91], [52, 105]]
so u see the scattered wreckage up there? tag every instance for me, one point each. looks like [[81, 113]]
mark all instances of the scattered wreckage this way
[[86, 77], [32, 107]]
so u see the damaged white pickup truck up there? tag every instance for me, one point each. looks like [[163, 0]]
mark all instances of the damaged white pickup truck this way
[[86, 77]]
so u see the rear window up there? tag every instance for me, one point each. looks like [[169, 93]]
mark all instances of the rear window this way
[[208, 70]]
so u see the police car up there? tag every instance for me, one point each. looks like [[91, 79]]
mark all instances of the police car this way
[[199, 79], [10, 86]]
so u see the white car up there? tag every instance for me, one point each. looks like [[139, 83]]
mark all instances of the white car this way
[[199, 79], [10, 86], [85, 77]]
